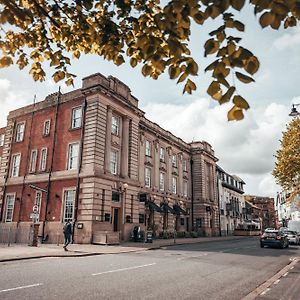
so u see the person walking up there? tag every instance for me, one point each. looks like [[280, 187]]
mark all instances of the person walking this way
[[67, 233]]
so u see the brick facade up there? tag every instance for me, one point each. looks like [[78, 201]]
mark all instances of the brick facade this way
[[100, 173]]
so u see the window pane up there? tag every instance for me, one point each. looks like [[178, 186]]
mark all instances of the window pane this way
[[114, 162], [162, 154], [115, 125], [162, 181], [20, 132], [73, 156], [76, 117], [10, 202], [69, 205], [147, 177], [16, 165], [43, 162], [46, 127], [33, 161]]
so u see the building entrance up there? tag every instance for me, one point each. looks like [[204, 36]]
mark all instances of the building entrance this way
[[116, 218]]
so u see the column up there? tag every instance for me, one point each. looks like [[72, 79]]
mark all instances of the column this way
[[108, 139], [125, 147]]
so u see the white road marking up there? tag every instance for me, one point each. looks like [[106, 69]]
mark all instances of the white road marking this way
[[125, 269], [21, 287], [285, 274], [264, 292], [277, 281], [292, 268], [203, 254]]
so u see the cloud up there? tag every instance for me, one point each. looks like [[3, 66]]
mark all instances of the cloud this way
[[11, 100], [288, 40], [245, 147]]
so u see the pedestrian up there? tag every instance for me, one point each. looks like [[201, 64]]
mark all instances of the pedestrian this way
[[67, 233]]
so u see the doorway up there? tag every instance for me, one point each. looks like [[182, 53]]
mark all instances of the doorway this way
[[116, 218]]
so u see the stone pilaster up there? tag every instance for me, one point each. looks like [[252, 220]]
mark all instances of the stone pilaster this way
[[125, 147]]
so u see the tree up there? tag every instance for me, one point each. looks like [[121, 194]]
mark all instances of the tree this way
[[287, 166], [148, 32]]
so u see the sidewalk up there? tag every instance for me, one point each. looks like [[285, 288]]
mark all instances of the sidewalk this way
[[22, 251]]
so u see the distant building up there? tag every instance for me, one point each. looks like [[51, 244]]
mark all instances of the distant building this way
[[265, 210], [231, 201], [90, 156]]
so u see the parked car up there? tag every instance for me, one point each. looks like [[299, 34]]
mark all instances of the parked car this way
[[292, 236], [273, 237]]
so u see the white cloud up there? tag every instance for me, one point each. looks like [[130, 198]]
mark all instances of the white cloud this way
[[245, 147], [288, 40], [11, 100]]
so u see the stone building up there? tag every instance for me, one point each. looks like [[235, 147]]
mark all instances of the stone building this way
[[266, 210], [91, 156], [231, 201]]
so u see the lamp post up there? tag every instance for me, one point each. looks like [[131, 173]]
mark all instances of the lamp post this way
[[294, 112], [123, 192]]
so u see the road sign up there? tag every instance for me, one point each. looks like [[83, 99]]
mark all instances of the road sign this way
[[34, 215], [35, 209]]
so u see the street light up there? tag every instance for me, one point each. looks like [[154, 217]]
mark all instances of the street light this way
[[123, 204], [294, 112]]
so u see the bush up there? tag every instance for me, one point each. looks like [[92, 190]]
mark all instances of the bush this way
[[181, 234], [187, 235], [194, 234]]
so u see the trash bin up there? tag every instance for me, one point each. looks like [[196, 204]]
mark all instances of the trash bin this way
[[149, 237]]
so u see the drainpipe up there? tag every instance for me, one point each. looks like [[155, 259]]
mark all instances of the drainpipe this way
[[27, 161], [84, 105], [219, 206], [51, 165], [192, 187]]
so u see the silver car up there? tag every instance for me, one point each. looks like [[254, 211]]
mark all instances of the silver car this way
[[293, 237]]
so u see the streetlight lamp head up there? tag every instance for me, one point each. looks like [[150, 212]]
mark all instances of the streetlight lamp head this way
[[294, 112], [125, 186]]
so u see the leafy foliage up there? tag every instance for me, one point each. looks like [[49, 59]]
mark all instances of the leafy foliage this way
[[287, 166], [148, 32]]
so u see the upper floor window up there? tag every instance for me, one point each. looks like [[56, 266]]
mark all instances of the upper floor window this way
[[184, 165], [161, 181], [20, 132], [1, 140], [69, 201], [174, 160], [185, 188], [15, 168], [9, 209], [43, 159], [46, 130], [148, 148], [76, 117], [162, 154], [174, 185], [114, 162], [147, 177], [115, 125], [73, 156], [33, 159]]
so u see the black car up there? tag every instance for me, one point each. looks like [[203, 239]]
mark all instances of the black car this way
[[272, 238]]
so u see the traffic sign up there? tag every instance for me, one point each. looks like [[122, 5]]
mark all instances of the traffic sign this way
[[35, 209]]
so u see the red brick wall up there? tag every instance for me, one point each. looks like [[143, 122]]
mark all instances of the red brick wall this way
[[26, 200]]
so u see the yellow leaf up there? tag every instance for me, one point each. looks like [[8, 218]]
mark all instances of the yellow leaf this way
[[252, 65], [240, 102], [174, 72], [59, 75], [237, 4], [133, 62], [182, 77], [235, 113], [5, 61], [69, 82], [226, 97], [266, 19], [244, 78], [213, 88]]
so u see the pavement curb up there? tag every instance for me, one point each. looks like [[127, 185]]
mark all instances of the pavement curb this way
[[255, 293], [84, 254]]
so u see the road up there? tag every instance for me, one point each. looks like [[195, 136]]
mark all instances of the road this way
[[213, 270]]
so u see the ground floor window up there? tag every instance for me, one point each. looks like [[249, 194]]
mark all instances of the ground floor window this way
[[9, 211], [69, 202]]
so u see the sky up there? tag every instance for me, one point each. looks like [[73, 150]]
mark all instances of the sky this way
[[245, 148]]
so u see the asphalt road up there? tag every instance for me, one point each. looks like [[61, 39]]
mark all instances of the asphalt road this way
[[214, 270]]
